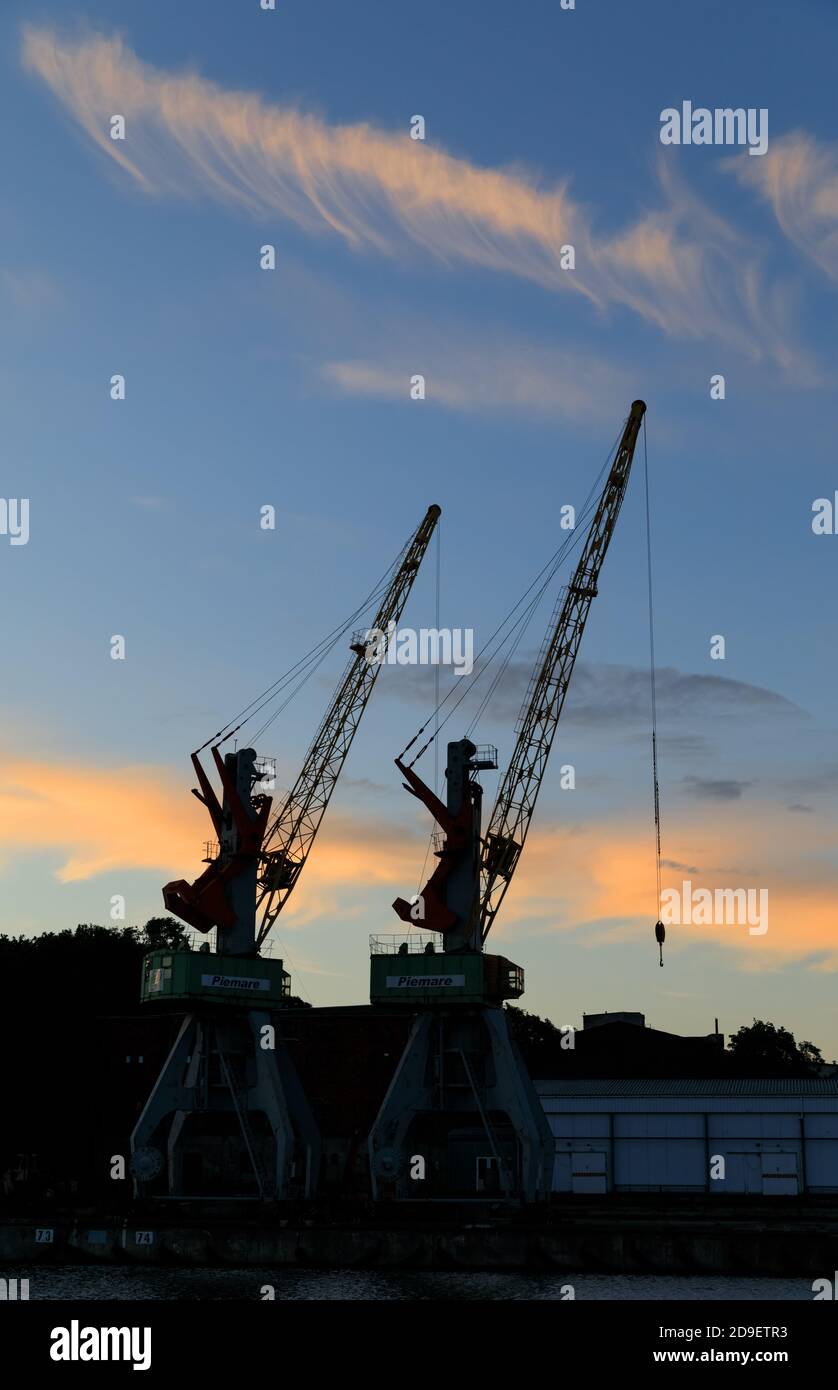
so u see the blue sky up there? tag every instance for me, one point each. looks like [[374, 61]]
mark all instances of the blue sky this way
[[290, 387]]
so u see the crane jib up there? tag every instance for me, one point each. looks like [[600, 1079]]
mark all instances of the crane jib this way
[[291, 835], [518, 791]]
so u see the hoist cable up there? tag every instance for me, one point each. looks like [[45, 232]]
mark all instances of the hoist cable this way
[[465, 687], [320, 649], [437, 789], [296, 690], [524, 621], [652, 676], [549, 570], [480, 671], [304, 669], [436, 669]]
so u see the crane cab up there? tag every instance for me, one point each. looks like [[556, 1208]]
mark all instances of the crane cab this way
[[411, 969], [170, 976]]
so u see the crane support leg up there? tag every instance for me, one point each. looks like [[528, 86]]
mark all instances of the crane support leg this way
[[461, 1117], [218, 1070], [523, 1106], [227, 1110]]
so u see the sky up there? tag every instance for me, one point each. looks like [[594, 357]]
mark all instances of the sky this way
[[290, 388]]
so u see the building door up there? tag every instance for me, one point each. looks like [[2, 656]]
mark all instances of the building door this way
[[488, 1174], [779, 1175], [743, 1173], [562, 1166], [589, 1172]]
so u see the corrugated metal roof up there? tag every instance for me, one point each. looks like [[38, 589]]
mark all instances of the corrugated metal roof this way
[[808, 1086]]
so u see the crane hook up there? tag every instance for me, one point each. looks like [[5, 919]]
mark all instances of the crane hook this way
[[660, 937]]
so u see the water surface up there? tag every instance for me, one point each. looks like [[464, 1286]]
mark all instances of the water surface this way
[[116, 1282]]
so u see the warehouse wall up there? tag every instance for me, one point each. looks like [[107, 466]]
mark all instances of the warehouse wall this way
[[768, 1146]]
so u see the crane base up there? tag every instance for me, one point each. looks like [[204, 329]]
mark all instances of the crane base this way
[[461, 1117], [227, 1116]]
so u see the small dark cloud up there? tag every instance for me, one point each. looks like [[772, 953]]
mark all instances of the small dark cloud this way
[[798, 806], [682, 745], [716, 789], [601, 695], [812, 783], [604, 694], [679, 868]]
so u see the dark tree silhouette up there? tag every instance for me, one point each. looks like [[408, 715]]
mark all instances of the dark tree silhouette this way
[[81, 1054], [762, 1049], [538, 1039], [166, 933]]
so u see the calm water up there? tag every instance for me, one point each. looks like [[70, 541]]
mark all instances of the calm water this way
[[122, 1282]]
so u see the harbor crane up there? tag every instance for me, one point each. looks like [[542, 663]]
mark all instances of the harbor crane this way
[[461, 1115], [281, 845], [228, 1072]]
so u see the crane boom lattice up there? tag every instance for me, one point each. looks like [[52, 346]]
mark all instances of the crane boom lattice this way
[[291, 833], [518, 791]]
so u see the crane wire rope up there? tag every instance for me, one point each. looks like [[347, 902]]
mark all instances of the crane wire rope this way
[[524, 621], [429, 845], [436, 669], [653, 692], [312, 659], [548, 571]]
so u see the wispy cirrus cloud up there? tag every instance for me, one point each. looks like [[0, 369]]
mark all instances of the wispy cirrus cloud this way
[[716, 788], [679, 266], [466, 375], [150, 504], [799, 178], [33, 291]]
